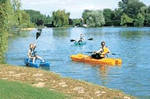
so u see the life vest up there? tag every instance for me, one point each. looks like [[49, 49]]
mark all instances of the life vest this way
[[33, 52], [105, 51]]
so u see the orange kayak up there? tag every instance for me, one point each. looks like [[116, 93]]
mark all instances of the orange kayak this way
[[88, 59]]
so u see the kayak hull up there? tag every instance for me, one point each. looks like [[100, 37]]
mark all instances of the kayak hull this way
[[80, 43], [28, 62], [87, 59]]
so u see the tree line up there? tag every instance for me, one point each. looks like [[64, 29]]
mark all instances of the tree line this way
[[128, 13]]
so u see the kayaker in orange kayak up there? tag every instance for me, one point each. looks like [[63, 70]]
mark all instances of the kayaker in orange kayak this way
[[102, 52], [32, 53]]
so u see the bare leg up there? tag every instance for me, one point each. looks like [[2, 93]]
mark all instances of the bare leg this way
[[40, 58], [33, 59]]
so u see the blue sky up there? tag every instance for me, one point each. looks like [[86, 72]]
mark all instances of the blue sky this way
[[75, 7]]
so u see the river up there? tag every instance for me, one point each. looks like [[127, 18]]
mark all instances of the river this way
[[132, 45]]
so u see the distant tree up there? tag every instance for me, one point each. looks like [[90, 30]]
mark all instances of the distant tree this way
[[39, 22], [148, 9], [108, 14], [125, 19], [93, 18], [76, 22], [70, 22], [117, 14], [134, 8], [60, 18], [139, 20], [36, 15]]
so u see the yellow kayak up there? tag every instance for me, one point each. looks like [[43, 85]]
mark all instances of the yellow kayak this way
[[88, 59]]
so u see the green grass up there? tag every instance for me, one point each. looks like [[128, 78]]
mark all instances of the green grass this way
[[16, 90]]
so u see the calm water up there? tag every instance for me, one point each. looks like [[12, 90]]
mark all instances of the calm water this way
[[132, 45]]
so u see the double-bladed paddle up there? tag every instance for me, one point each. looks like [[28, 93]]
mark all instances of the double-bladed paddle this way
[[93, 52], [38, 33], [72, 40]]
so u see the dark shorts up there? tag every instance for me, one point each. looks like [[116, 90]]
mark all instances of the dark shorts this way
[[96, 56]]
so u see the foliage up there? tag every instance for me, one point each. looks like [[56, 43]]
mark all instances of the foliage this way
[[147, 19], [5, 19], [93, 18], [76, 22], [20, 18], [134, 8], [125, 19], [139, 20], [36, 15], [108, 14], [60, 18], [117, 14]]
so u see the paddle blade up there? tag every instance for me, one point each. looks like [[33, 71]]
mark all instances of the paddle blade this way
[[72, 40], [90, 39], [38, 34], [89, 52], [113, 54]]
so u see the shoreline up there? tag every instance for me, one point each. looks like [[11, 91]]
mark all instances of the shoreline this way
[[52, 81], [28, 29]]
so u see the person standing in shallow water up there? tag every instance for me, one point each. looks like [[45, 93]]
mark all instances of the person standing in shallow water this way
[[32, 53], [102, 52]]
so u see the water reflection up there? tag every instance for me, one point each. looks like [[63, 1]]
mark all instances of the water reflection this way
[[60, 33], [133, 35]]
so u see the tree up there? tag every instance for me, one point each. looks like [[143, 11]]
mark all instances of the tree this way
[[108, 14], [123, 5], [125, 19], [5, 19], [117, 14], [60, 18], [39, 22], [93, 18], [147, 19], [133, 8], [139, 20]]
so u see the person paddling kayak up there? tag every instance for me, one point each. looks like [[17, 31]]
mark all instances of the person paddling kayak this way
[[102, 52], [81, 38], [32, 53]]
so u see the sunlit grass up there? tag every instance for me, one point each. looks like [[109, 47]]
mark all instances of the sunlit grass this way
[[16, 90]]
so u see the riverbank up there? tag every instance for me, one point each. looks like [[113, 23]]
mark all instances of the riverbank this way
[[28, 29], [54, 82]]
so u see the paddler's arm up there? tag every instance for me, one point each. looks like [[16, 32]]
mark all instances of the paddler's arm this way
[[99, 51], [29, 54]]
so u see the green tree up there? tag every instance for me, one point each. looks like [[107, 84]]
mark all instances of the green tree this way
[[108, 14], [93, 18], [133, 8], [139, 20], [117, 14], [125, 19], [36, 15], [76, 21], [5, 19], [123, 5], [60, 18], [148, 9]]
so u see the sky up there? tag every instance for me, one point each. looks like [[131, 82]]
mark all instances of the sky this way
[[75, 7]]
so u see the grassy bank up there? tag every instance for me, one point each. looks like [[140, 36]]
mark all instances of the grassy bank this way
[[16, 90], [54, 82]]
